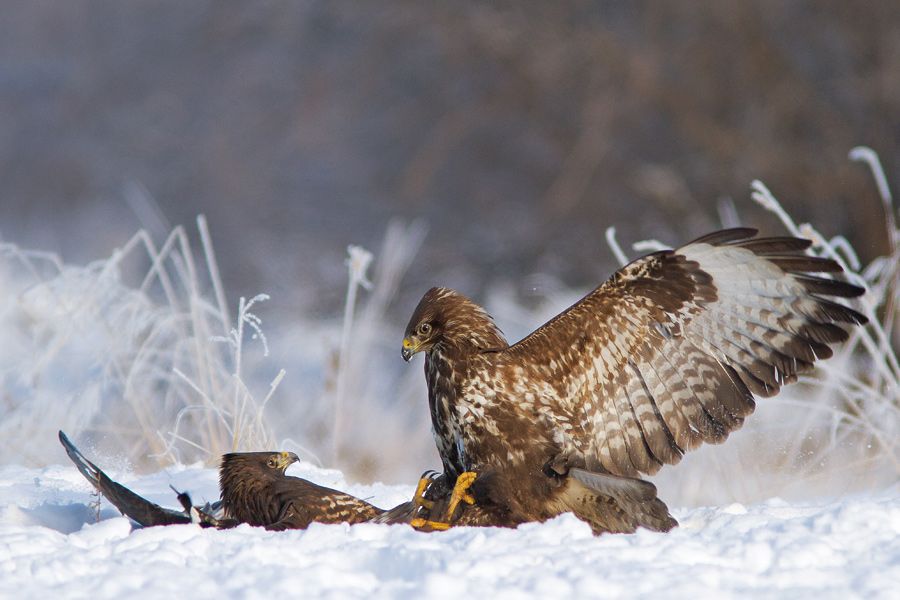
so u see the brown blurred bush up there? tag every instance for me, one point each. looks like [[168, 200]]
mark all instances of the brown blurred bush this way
[[517, 130]]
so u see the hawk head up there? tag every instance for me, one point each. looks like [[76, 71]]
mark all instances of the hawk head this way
[[249, 482], [446, 317], [264, 463]]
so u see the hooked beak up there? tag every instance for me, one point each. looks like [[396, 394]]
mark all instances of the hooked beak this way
[[286, 459], [410, 347]]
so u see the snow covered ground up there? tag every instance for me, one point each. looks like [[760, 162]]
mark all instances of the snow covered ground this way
[[51, 545]]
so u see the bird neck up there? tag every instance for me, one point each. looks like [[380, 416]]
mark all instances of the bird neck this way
[[242, 492]]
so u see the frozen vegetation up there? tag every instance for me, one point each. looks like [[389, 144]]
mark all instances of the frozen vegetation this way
[[144, 360]]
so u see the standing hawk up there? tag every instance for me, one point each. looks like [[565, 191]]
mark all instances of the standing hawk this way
[[667, 354]]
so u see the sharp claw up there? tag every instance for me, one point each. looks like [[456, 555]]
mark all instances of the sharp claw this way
[[419, 497], [461, 493], [432, 525]]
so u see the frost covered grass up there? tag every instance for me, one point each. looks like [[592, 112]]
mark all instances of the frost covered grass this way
[[150, 369], [836, 430], [376, 405], [141, 355], [374, 378]]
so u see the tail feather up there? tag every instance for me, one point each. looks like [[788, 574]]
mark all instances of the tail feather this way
[[135, 507], [612, 504], [629, 488], [402, 513]]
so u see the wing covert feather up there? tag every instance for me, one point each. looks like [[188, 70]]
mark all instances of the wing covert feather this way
[[669, 352]]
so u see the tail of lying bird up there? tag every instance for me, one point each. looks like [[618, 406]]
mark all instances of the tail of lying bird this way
[[402, 513], [133, 506]]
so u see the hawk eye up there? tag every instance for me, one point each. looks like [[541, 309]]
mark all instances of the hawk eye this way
[[424, 328], [271, 462]]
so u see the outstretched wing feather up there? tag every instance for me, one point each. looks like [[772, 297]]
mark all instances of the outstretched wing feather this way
[[669, 352]]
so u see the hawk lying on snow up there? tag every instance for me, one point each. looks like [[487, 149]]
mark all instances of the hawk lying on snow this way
[[254, 490], [666, 355]]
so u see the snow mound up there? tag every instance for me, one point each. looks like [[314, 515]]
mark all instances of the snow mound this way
[[52, 544]]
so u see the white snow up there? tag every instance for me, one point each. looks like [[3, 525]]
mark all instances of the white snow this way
[[51, 545]]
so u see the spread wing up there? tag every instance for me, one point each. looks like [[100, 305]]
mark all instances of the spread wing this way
[[669, 352]]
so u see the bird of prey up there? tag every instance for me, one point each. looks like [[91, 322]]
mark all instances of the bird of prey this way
[[484, 499], [254, 490], [665, 355]]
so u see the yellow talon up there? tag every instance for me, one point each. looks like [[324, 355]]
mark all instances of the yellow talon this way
[[419, 497], [419, 523], [461, 492]]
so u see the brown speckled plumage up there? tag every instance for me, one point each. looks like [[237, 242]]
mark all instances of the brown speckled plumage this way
[[255, 490], [666, 355]]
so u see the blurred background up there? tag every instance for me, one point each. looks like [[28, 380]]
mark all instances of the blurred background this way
[[511, 133]]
